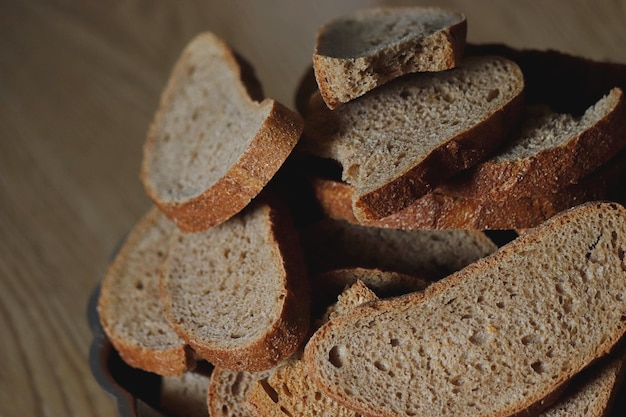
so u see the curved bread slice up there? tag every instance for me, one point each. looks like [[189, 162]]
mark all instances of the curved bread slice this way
[[367, 48], [211, 148], [228, 392], [437, 210], [238, 293], [493, 339], [129, 306], [401, 140], [429, 254], [548, 152]]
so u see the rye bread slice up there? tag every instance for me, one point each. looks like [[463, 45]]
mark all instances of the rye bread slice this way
[[402, 139], [438, 210], [429, 254], [493, 339], [212, 147], [129, 306], [238, 293], [547, 152], [364, 49]]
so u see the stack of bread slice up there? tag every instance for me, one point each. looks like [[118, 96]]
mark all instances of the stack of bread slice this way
[[261, 283]]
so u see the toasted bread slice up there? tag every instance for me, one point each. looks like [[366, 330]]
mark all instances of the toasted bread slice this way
[[438, 210], [357, 52], [211, 147], [493, 339], [228, 392], [401, 140], [129, 306], [238, 293]]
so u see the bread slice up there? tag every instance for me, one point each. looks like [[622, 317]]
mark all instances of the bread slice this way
[[185, 395], [289, 391], [129, 306], [428, 254], [238, 293], [493, 339], [211, 147], [549, 151], [228, 392], [357, 52], [438, 210], [592, 392], [401, 140]]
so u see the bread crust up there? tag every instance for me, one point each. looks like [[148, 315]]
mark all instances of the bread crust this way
[[243, 181], [287, 332], [460, 152], [551, 169], [414, 301], [341, 79], [169, 361], [267, 150], [438, 210]]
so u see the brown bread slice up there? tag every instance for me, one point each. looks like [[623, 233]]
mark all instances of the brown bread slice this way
[[428, 254], [438, 210], [492, 339], [238, 293], [211, 147], [228, 391], [357, 52], [129, 306], [548, 152], [592, 392], [402, 139], [289, 391]]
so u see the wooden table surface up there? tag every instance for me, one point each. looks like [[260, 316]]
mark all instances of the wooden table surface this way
[[79, 82]]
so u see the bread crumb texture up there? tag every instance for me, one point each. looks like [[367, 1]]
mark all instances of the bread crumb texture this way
[[492, 339]]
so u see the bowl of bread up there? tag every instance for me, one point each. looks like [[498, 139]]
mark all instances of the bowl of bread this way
[[436, 230]]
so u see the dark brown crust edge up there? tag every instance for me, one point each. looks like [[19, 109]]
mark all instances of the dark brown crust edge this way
[[550, 170], [451, 42], [460, 152]]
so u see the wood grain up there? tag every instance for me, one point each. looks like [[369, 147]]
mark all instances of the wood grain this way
[[79, 82]]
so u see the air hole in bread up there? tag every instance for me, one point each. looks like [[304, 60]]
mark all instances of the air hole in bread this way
[[500, 304], [538, 366], [285, 412], [335, 356], [271, 392], [529, 339], [493, 94], [381, 366], [396, 342], [139, 285], [318, 396]]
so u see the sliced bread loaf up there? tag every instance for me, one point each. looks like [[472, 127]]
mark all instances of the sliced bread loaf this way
[[548, 152], [289, 391], [238, 293], [429, 254], [401, 140], [438, 210], [357, 52], [211, 147], [493, 339], [228, 392], [129, 306]]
